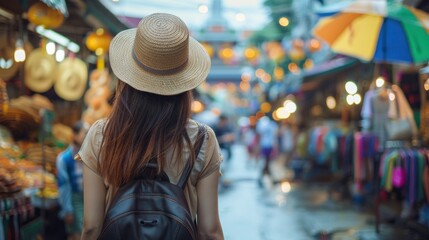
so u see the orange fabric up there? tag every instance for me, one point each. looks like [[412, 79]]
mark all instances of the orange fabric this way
[[330, 28]]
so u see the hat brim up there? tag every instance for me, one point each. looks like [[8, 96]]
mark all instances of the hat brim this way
[[71, 67], [128, 71], [36, 58]]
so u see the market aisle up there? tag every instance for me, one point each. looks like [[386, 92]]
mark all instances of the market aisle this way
[[288, 211]]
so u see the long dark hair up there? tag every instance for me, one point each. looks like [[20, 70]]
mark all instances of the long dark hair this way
[[143, 126]]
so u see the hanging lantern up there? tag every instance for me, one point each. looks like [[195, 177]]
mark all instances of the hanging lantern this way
[[268, 46], [99, 39], [209, 49], [279, 73], [277, 54], [296, 54], [313, 45], [226, 53], [42, 15], [308, 64], [293, 68], [251, 53], [99, 42], [297, 43]]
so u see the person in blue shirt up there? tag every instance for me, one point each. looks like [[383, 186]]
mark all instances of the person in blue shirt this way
[[267, 130], [70, 184]]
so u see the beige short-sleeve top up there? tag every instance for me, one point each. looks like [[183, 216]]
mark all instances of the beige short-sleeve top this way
[[207, 162]]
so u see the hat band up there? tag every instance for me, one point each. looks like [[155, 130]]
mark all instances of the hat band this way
[[158, 71]]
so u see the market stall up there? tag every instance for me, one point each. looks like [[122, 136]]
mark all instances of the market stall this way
[[52, 74], [391, 35]]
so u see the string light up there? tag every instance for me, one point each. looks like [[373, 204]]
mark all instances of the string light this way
[[265, 107], [260, 73], [19, 54], [60, 55], [290, 106], [240, 17], [283, 113], [203, 9], [197, 106], [331, 102], [246, 77], [379, 82], [357, 99], [284, 21], [50, 48], [351, 87]]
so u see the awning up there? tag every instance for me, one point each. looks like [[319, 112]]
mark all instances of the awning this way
[[222, 73], [329, 67], [314, 78], [109, 21]]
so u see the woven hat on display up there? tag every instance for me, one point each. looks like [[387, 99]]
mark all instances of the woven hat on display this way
[[39, 71], [8, 67], [72, 76], [159, 56], [62, 133]]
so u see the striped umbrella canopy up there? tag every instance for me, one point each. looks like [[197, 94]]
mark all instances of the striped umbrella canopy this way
[[378, 30]]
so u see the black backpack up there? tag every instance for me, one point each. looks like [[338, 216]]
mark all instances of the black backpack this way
[[150, 207]]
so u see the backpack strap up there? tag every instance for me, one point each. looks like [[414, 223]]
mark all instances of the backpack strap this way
[[197, 147]]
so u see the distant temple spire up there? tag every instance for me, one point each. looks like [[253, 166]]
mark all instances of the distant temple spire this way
[[217, 9]]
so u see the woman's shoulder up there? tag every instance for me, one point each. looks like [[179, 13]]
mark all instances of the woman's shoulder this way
[[209, 158], [192, 129], [94, 136], [100, 124], [96, 130]]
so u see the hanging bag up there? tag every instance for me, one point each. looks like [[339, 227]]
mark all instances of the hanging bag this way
[[398, 127]]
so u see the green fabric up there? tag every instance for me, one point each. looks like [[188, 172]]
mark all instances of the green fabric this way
[[417, 118], [383, 173], [77, 202], [31, 230], [417, 36], [390, 164]]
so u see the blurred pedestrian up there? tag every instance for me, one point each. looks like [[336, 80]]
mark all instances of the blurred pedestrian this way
[[225, 135], [70, 184], [251, 140], [267, 130], [287, 135]]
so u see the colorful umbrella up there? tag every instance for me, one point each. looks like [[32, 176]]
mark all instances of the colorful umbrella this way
[[379, 30]]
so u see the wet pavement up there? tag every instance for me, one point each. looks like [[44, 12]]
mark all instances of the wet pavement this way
[[290, 210]]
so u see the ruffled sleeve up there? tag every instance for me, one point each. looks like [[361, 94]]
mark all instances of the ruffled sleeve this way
[[90, 148], [210, 156]]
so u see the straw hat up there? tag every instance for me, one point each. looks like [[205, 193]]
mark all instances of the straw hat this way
[[39, 71], [159, 56], [8, 67], [71, 81], [63, 133]]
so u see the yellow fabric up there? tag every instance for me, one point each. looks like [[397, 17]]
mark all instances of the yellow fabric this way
[[359, 39], [388, 186], [100, 62]]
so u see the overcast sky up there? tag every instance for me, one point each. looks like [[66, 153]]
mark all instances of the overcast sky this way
[[256, 16]]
